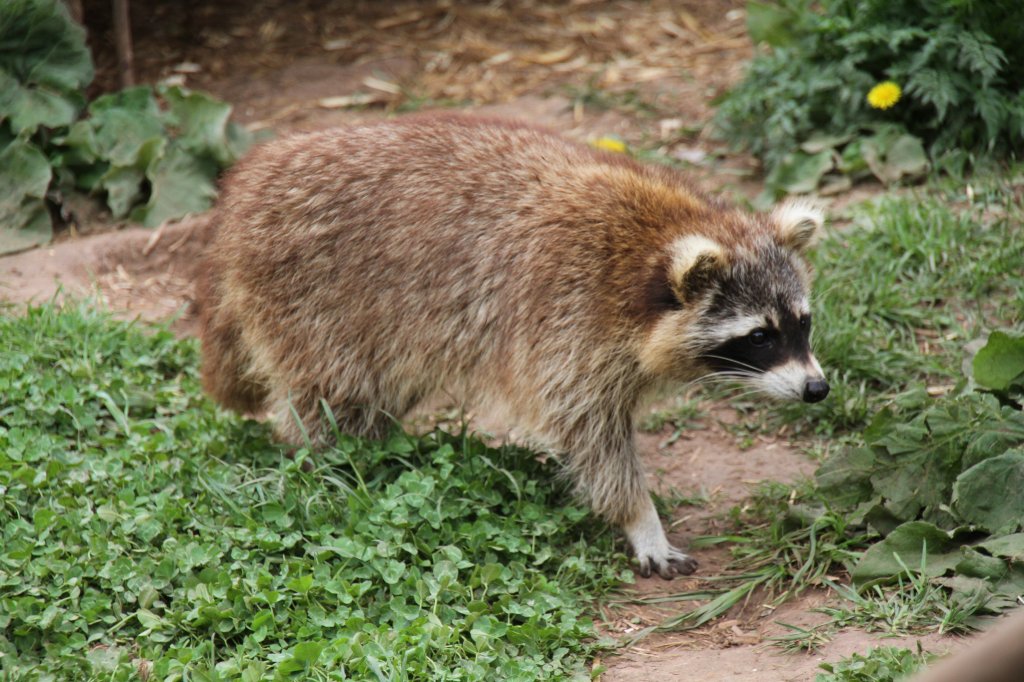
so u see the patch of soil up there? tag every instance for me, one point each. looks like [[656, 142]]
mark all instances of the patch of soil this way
[[738, 646], [667, 660], [138, 272]]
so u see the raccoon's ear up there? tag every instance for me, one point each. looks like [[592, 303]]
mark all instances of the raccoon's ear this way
[[695, 263], [798, 223]]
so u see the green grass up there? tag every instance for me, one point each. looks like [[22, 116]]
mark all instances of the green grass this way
[[685, 413], [144, 529], [781, 547], [884, 664], [899, 294], [630, 101], [914, 605]]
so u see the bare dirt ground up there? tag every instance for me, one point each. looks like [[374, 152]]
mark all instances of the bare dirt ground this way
[[644, 72]]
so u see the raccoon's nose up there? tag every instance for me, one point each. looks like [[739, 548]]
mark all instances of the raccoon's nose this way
[[815, 390]]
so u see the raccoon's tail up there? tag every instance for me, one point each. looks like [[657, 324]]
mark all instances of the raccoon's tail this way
[[226, 364]]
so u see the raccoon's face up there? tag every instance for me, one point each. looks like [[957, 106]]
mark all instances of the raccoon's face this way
[[744, 313], [758, 327]]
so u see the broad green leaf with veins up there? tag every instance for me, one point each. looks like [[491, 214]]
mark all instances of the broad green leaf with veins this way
[[1000, 362], [44, 64], [990, 494], [182, 184], [24, 176], [204, 125]]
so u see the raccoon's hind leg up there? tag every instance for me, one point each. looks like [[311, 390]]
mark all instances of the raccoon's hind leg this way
[[609, 472], [226, 365]]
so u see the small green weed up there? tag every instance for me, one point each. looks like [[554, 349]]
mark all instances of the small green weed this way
[[898, 295], [803, 106], [685, 413], [141, 528], [914, 604], [667, 503], [787, 542], [802, 640], [884, 664], [594, 96]]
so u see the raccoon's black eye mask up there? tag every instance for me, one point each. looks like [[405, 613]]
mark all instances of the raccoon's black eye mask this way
[[764, 347]]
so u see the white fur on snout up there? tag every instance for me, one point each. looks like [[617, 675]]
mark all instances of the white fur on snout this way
[[819, 373], [788, 381]]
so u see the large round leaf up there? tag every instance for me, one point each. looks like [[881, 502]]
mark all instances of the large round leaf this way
[[991, 493], [44, 64], [24, 177], [182, 184]]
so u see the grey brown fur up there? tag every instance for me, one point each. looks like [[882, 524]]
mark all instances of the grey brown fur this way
[[372, 266]]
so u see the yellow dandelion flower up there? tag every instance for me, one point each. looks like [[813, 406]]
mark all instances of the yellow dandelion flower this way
[[884, 95], [610, 144]]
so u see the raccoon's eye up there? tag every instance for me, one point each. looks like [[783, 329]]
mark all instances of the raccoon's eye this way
[[805, 321], [758, 337]]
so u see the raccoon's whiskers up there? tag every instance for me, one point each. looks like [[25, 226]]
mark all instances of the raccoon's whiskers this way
[[732, 374], [721, 376], [731, 378], [755, 370], [749, 391]]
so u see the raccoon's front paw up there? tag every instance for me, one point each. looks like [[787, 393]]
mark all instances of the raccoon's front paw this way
[[668, 565], [652, 549]]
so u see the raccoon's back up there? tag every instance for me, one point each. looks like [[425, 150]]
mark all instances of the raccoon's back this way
[[409, 246], [420, 219], [437, 246]]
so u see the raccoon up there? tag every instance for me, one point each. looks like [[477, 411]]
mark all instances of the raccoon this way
[[366, 268]]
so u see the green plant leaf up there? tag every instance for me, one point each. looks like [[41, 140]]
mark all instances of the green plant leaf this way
[[907, 158], [819, 143], [29, 108], [908, 542], [846, 480], [24, 172], [122, 131], [1009, 546], [307, 653], [78, 147], [204, 125], [181, 184], [991, 493], [1010, 587], [44, 65], [24, 178], [139, 100], [974, 564], [769, 23], [124, 189], [851, 161], [1000, 362], [799, 172], [29, 227], [893, 157]]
